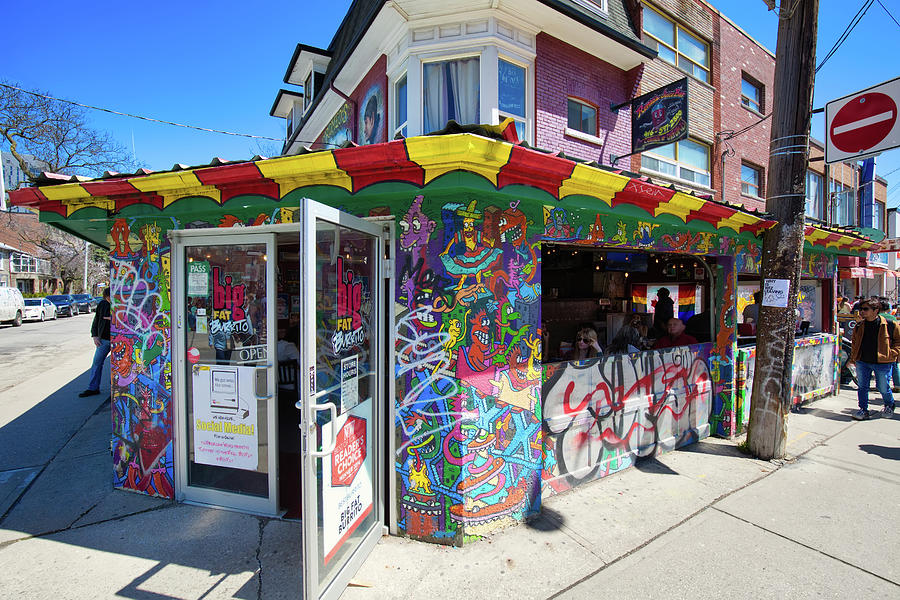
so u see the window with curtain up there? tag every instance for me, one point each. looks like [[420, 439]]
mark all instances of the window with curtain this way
[[814, 195], [451, 90]]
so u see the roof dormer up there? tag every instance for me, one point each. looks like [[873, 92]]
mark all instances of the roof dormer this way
[[307, 68]]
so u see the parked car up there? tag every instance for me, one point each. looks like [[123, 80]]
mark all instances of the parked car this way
[[85, 302], [65, 306], [39, 309], [12, 306]]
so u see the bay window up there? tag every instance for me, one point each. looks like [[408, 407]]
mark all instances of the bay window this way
[[511, 91], [451, 90]]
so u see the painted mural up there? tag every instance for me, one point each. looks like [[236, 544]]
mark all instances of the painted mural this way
[[815, 372], [340, 129], [370, 126], [468, 371], [142, 429], [602, 415]]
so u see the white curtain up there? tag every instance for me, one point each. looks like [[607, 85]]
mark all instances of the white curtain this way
[[451, 91]]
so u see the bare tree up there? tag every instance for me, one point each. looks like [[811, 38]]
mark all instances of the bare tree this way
[[55, 133]]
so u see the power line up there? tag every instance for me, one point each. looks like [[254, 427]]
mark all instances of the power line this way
[[888, 12], [143, 118], [850, 27]]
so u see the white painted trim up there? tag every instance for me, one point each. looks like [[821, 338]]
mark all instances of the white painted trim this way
[[585, 137]]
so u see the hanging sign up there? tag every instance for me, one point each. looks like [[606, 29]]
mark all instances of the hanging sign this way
[[660, 117], [349, 332], [224, 421], [198, 279]]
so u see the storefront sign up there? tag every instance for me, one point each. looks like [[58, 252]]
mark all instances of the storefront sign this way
[[659, 117], [776, 292], [347, 484], [252, 354], [349, 383], [349, 332], [198, 279], [224, 406]]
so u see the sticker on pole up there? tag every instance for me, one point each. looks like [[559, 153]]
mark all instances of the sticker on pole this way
[[775, 292], [863, 124]]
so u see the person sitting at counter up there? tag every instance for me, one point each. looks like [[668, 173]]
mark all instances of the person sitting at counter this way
[[586, 344], [675, 337], [630, 338]]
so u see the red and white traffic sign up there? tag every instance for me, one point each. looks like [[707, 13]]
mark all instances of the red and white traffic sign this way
[[863, 124]]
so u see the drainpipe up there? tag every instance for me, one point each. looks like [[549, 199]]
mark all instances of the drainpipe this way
[[352, 103]]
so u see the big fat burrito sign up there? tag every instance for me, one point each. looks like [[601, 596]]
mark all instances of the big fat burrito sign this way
[[660, 117]]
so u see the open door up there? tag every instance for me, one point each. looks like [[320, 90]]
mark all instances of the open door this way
[[342, 404]]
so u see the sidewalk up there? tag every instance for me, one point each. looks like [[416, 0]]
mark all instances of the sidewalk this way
[[702, 522]]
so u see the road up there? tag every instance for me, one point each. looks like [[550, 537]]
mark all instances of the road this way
[[36, 348]]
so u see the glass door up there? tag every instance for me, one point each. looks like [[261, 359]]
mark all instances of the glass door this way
[[343, 404], [225, 344]]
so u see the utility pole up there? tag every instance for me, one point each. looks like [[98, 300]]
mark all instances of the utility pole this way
[[795, 62]]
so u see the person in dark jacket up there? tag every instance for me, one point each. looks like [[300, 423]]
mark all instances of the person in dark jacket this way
[[662, 312], [100, 333], [876, 346]]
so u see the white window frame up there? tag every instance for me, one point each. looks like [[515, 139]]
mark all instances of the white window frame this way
[[748, 102], [837, 194], [599, 7], [489, 102], [758, 185], [679, 165], [676, 28], [818, 201], [394, 99]]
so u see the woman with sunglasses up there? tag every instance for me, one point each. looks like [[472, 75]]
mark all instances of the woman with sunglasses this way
[[586, 345], [876, 346]]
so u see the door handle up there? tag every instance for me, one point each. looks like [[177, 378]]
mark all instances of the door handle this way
[[326, 450]]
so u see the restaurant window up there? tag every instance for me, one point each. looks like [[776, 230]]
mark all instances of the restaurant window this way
[[582, 117], [511, 93], [751, 181], [814, 196], [676, 45], [687, 160], [451, 90], [400, 118], [751, 95]]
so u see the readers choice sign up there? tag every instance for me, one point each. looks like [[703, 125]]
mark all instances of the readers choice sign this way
[[347, 485], [224, 423], [660, 117]]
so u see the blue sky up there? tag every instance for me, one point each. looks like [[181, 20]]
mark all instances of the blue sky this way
[[219, 65]]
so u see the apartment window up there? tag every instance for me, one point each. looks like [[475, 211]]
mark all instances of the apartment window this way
[[687, 160], [814, 196], [451, 90], [676, 45], [308, 90], [511, 91], [751, 95], [400, 117], [844, 198], [751, 180], [582, 117], [878, 216]]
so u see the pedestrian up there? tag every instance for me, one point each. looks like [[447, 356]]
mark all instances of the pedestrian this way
[[100, 333], [876, 346], [844, 307], [895, 369], [662, 312]]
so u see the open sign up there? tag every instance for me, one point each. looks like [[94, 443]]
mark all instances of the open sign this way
[[250, 354]]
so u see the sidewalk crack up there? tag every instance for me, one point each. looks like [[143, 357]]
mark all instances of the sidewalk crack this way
[[259, 568]]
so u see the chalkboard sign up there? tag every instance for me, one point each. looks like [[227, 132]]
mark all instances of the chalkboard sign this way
[[512, 88]]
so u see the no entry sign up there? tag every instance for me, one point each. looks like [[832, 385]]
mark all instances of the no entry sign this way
[[864, 123]]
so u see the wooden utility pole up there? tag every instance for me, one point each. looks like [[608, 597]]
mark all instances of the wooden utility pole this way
[[795, 66]]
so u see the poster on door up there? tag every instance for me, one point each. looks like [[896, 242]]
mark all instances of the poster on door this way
[[347, 479], [224, 424]]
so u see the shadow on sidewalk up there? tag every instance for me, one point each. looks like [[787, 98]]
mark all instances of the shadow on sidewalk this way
[[831, 415], [883, 451], [547, 520], [714, 448], [651, 464]]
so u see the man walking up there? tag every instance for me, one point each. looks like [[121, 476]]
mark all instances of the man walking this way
[[100, 333], [876, 346]]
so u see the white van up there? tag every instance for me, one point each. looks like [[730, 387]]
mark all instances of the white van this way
[[12, 306]]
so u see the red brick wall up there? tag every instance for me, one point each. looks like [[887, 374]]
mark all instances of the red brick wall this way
[[738, 56], [562, 71]]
